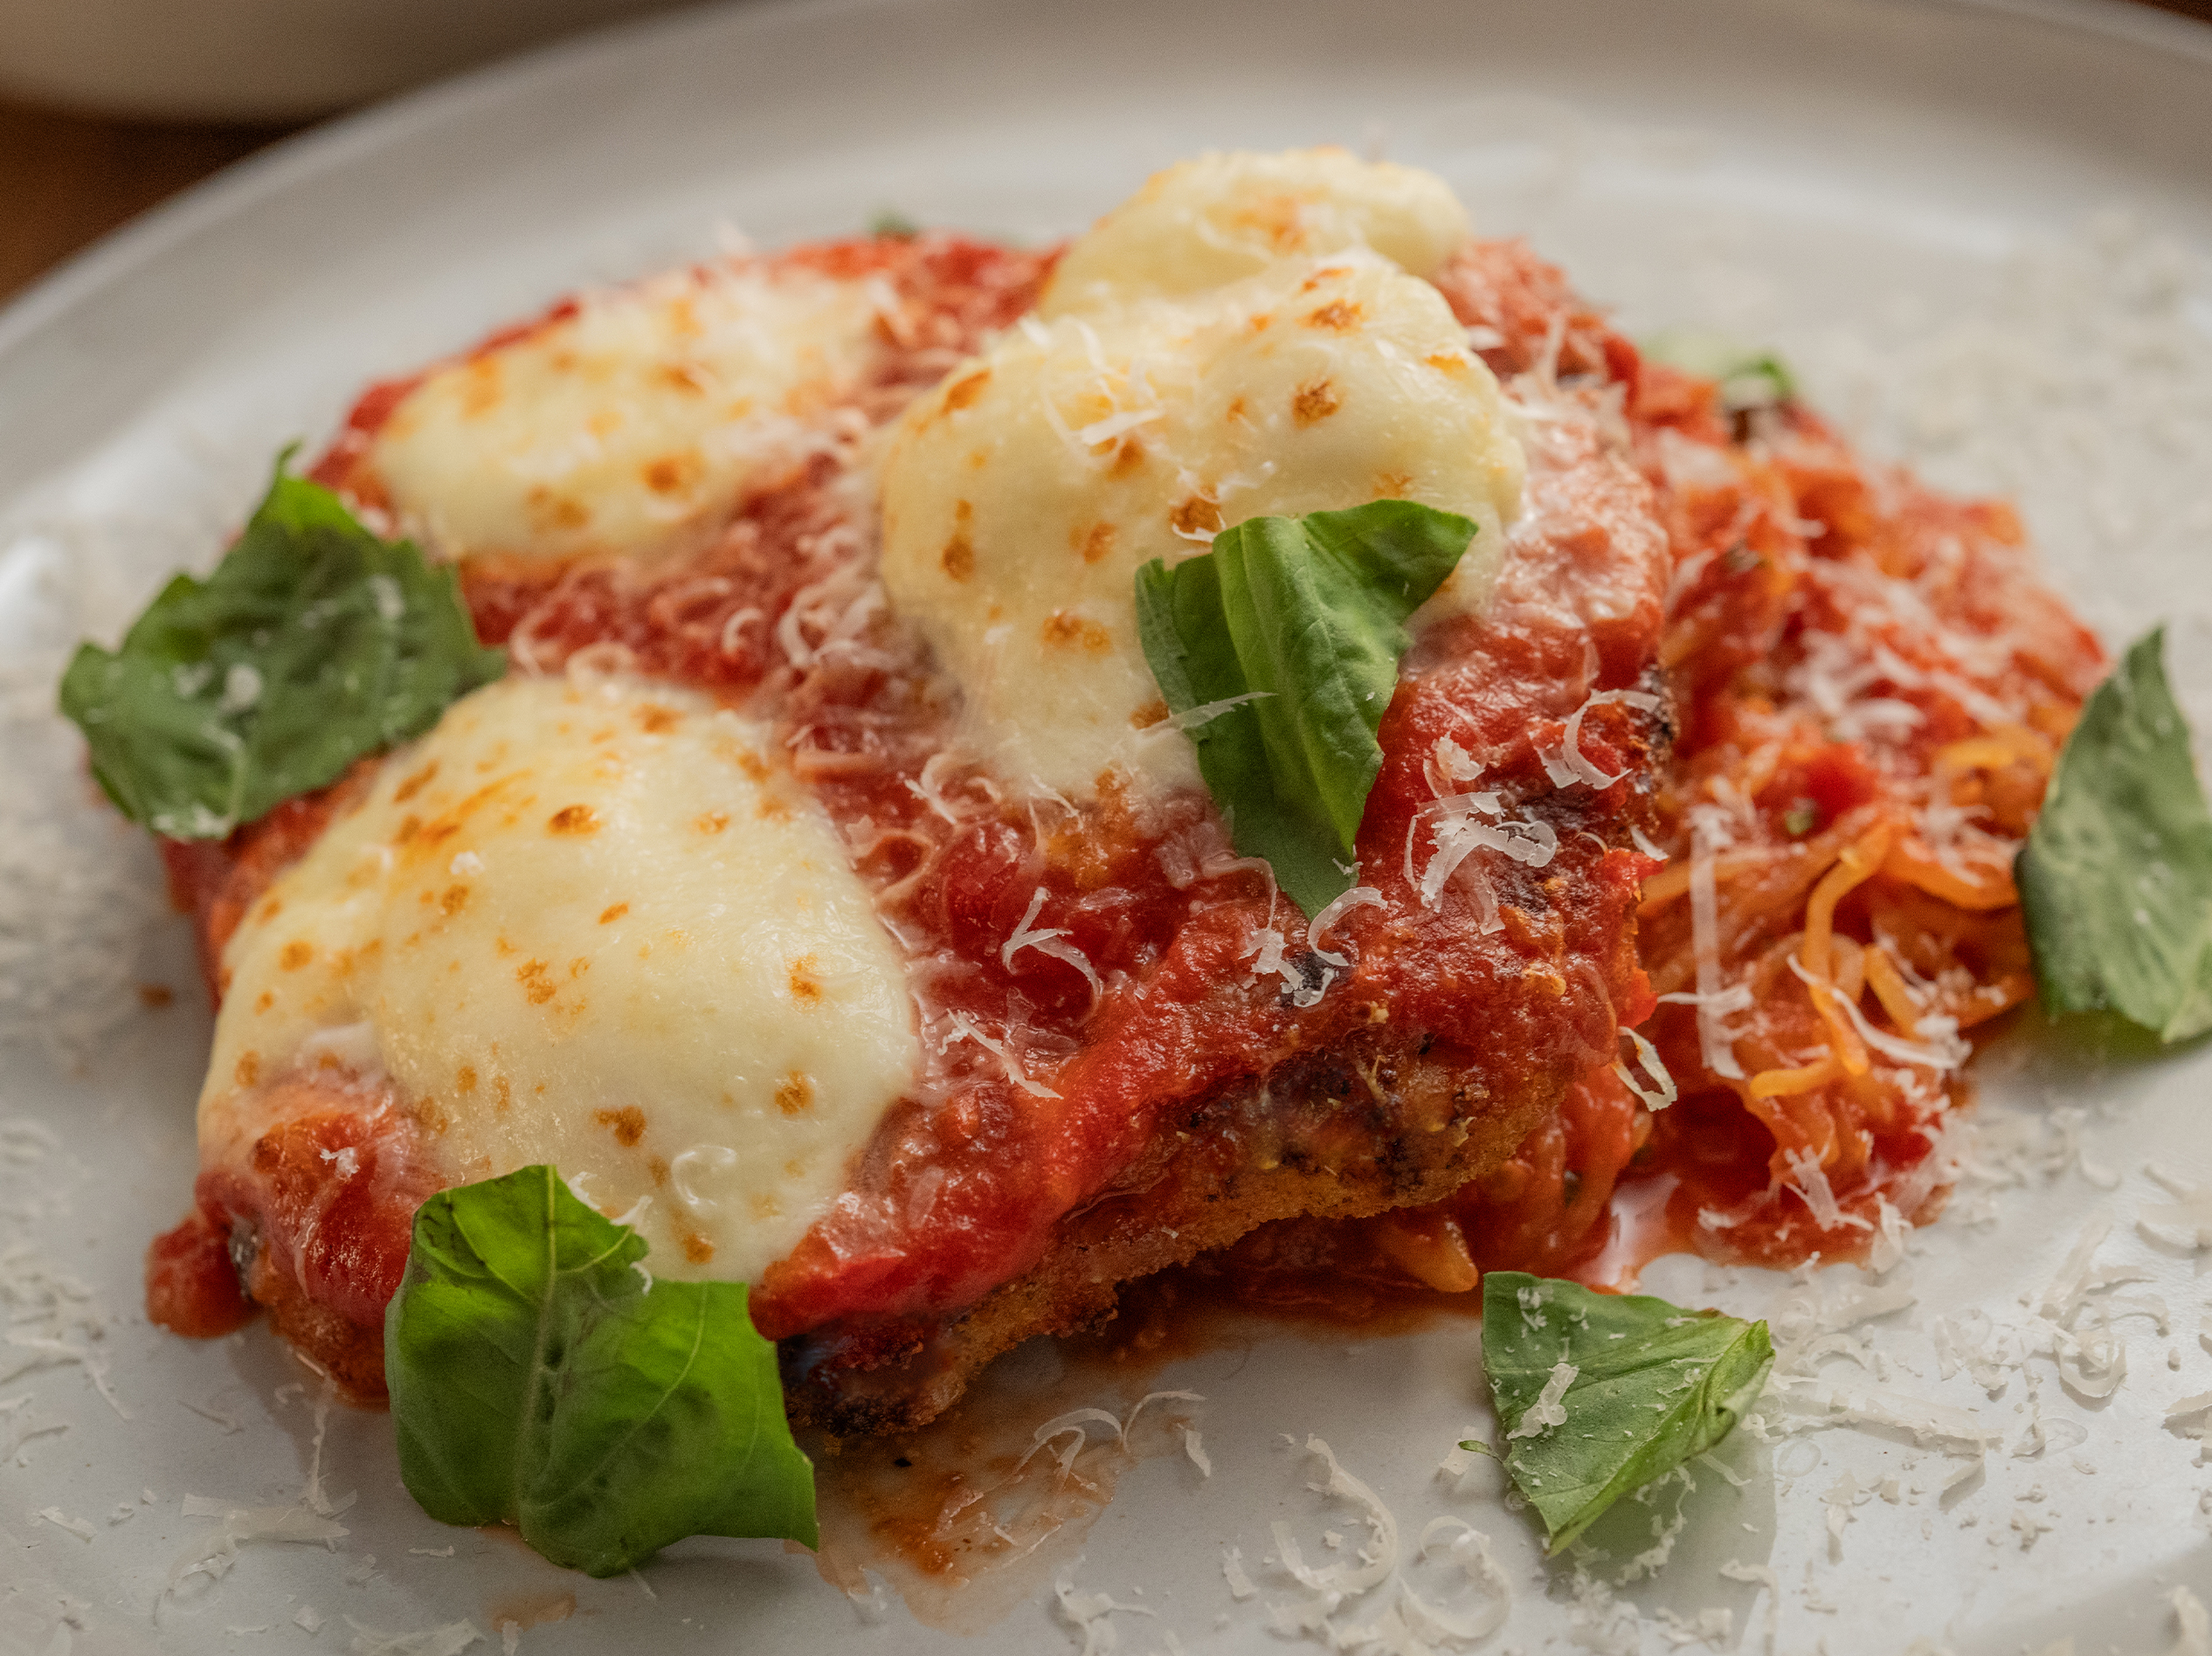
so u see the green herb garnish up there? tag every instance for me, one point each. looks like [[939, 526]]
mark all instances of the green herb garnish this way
[[1748, 378], [2116, 877], [1287, 635], [312, 643], [1799, 818], [537, 1380], [890, 222], [1602, 1393]]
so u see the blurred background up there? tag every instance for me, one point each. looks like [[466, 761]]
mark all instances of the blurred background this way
[[107, 106]]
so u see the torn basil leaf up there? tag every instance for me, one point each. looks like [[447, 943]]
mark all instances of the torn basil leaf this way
[[1747, 378], [1299, 622], [312, 643], [2116, 875], [1600, 1394], [537, 1380]]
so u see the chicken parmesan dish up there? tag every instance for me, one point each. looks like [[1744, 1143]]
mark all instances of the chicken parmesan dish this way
[[932, 779]]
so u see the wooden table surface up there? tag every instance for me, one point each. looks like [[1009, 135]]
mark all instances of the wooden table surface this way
[[67, 178]]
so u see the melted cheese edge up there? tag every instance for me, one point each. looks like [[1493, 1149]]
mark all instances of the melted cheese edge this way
[[591, 924], [1021, 495], [632, 426], [1219, 218]]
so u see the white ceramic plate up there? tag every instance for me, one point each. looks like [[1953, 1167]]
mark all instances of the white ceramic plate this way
[[1979, 230]]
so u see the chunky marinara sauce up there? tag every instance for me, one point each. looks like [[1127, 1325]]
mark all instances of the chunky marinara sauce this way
[[963, 1183]]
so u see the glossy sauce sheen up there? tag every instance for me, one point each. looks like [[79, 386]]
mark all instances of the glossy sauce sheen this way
[[1006, 1134], [965, 1182]]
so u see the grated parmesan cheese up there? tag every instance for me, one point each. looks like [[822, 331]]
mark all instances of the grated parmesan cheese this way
[[1547, 1410], [1051, 941], [1090, 1614], [448, 1640], [1661, 1092], [2188, 1219], [1715, 1040]]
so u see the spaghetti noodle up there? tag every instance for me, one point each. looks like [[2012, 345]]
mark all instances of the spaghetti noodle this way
[[1870, 687]]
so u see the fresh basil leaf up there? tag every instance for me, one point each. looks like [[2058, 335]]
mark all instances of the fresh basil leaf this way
[[1304, 618], [537, 1381], [1748, 378], [2116, 875], [312, 643], [1646, 1385]]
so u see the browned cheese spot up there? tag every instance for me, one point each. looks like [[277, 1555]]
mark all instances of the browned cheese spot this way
[[683, 377], [711, 821], [657, 721], [296, 954], [755, 767], [673, 474], [805, 983], [577, 967], [481, 388], [627, 1124], [547, 510], [1338, 316], [1446, 362], [1065, 627], [697, 1249], [465, 1078], [772, 808], [613, 913], [962, 393], [537, 988], [271, 907], [658, 1168], [795, 1093], [264, 1001], [1394, 485], [414, 784], [1127, 457], [1280, 219], [574, 820], [249, 1069], [1200, 515], [958, 558], [454, 899], [1314, 401], [503, 1095], [1093, 544], [1151, 714]]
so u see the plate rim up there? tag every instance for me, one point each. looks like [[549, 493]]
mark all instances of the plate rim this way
[[325, 147]]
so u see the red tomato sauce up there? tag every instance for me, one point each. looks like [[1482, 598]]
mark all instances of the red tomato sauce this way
[[1039, 1089]]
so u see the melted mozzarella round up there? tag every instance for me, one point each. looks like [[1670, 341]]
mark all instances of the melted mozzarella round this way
[[591, 925], [631, 426], [1217, 219], [1021, 497]]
